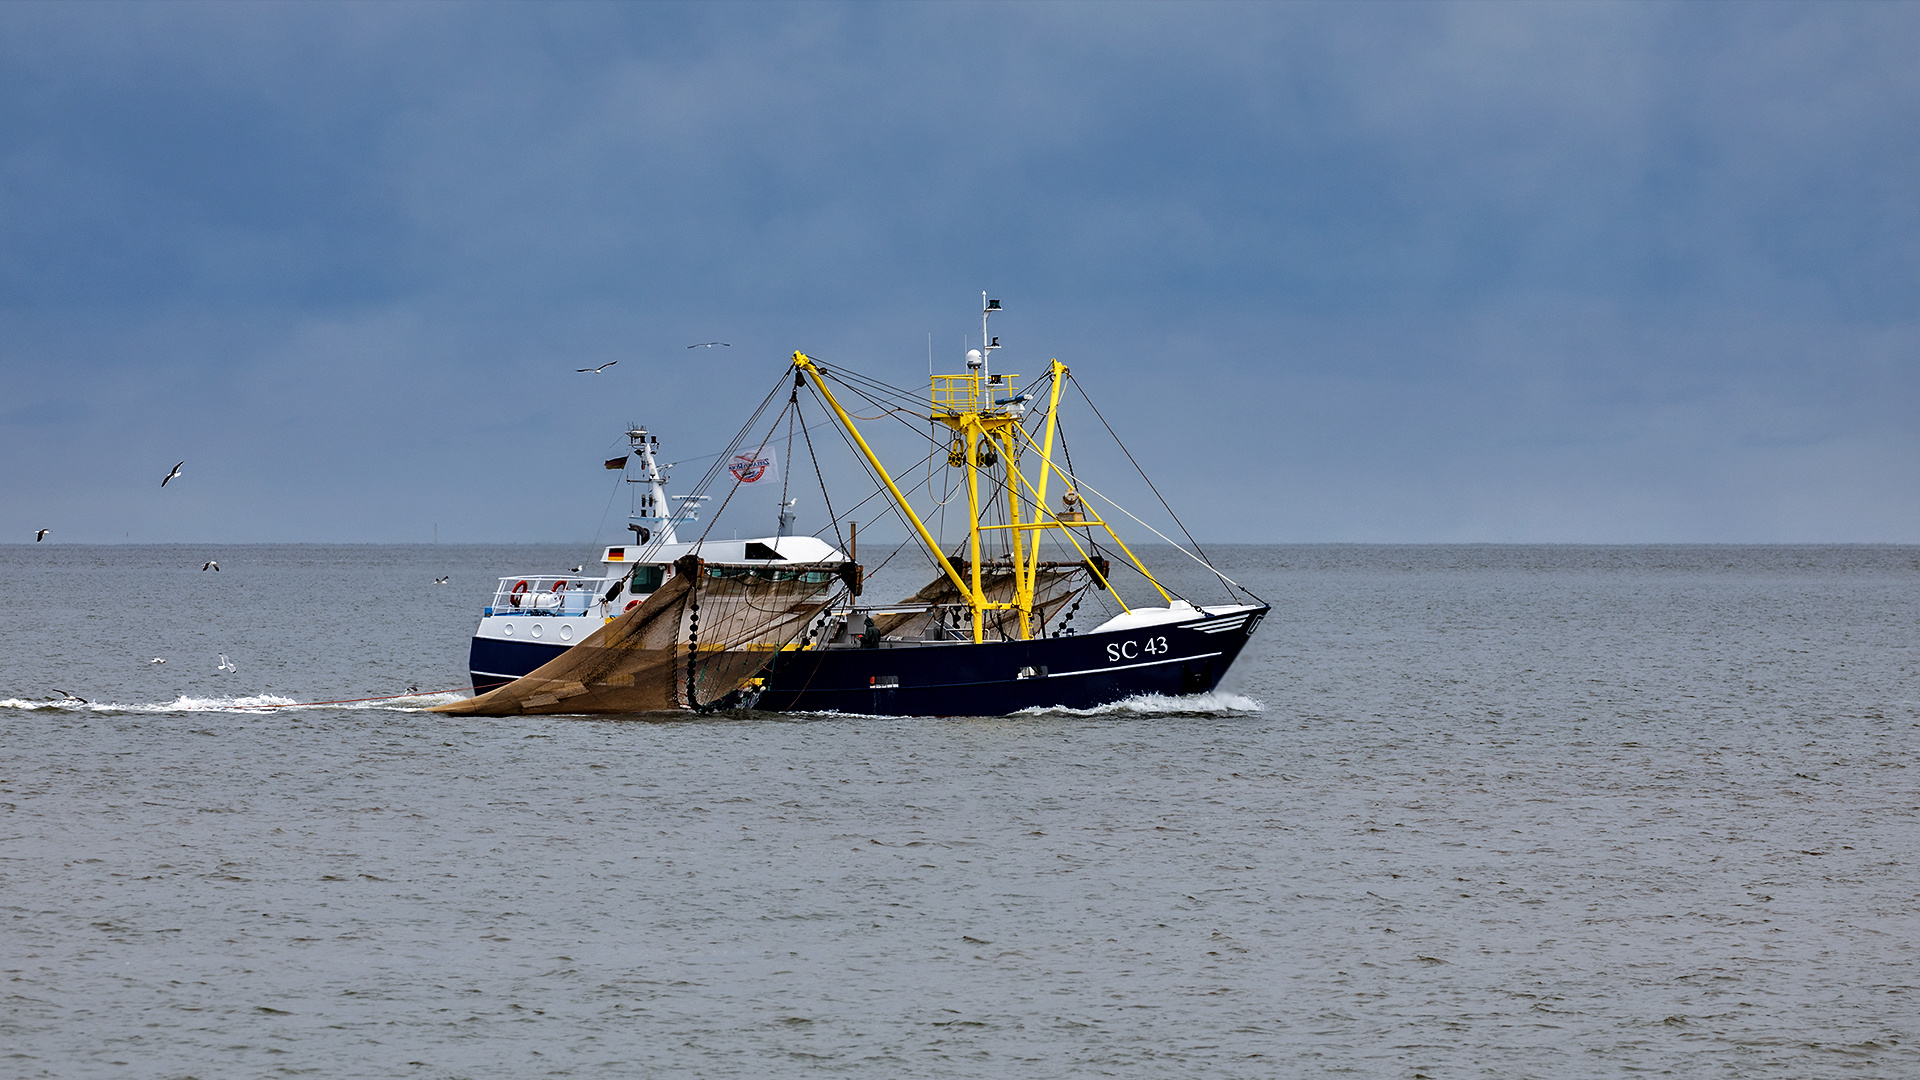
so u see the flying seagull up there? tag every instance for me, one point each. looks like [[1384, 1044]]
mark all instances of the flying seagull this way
[[171, 475], [710, 344], [441, 580], [597, 370], [156, 660], [75, 697], [41, 535], [211, 565], [226, 665]]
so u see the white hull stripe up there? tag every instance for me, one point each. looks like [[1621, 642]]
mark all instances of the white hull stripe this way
[[1124, 667]]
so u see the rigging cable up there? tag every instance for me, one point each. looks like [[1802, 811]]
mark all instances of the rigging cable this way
[[879, 491], [1078, 483], [599, 529], [713, 470], [1073, 479], [850, 379], [832, 518], [1171, 542], [793, 413], [737, 482], [1156, 491], [879, 487]]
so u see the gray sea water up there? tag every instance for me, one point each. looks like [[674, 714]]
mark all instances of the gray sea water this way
[[1459, 811]]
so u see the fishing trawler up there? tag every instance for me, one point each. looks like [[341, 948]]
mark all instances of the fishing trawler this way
[[778, 623]]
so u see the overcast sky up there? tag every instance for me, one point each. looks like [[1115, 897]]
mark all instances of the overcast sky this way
[[1349, 272]]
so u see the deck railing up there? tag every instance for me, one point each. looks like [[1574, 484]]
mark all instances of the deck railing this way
[[558, 595], [971, 392]]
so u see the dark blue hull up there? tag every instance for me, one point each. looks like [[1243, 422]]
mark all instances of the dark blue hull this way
[[496, 663], [964, 679], [1003, 677]]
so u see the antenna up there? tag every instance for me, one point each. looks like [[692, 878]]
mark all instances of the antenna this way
[[987, 345]]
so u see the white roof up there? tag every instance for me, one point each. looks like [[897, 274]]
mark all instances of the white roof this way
[[796, 549], [1179, 611]]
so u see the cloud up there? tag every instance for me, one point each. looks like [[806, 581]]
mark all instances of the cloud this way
[[1409, 272]]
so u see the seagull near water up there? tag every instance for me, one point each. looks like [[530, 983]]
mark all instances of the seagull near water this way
[[156, 660], [226, 665], [211, 565], [75, 697], [710, 344], [41, 535], [171, 475], [441, 580], [597, 370]]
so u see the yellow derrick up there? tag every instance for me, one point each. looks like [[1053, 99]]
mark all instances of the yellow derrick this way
[[986, 431]]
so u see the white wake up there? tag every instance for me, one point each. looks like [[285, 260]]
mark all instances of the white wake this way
[[1211, 703], [246, 704]]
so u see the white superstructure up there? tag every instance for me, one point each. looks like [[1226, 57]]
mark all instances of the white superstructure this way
[[561, 610]]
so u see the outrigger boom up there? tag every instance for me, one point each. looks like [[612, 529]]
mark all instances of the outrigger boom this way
[[987, 432]]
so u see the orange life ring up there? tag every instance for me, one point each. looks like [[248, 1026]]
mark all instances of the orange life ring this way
[[558, 585], [514, 597]]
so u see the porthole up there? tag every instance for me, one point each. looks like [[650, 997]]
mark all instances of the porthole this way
[[507, 630], [536, 629], [566, 633]]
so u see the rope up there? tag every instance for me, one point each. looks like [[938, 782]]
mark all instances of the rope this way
[[1208, 563], [793, 414], [853, 382], [599, 529], [713, 471], [710, 457], [832, 518], [1171, 542], [903, 545]]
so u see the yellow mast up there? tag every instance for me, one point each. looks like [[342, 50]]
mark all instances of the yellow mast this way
[[1059, 372], [1022, 585], [976, 597], [965, 403], [981, 425]]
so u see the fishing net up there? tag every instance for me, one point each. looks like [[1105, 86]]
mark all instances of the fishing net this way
[[702, 636], [1053, 587]]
